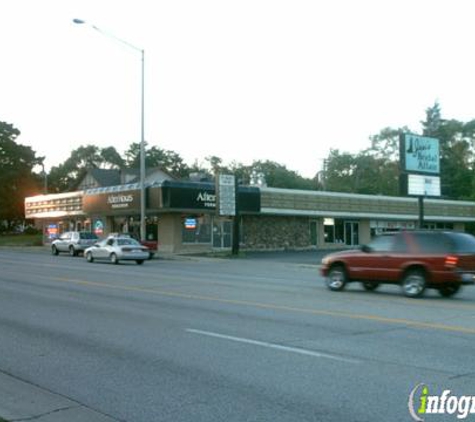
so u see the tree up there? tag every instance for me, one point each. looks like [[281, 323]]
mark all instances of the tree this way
[[66, 175], [166, 160], [433, 120], [17, 179], [279, 176]]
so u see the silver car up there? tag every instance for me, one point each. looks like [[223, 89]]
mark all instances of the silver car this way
[[73, 242], [115, 249]]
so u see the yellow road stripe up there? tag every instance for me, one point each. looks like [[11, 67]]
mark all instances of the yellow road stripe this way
[[260, 305]]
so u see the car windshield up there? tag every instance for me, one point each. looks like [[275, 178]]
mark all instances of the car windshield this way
[[463, 242]]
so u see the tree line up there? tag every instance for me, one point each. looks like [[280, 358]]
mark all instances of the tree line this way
[[374, 170]]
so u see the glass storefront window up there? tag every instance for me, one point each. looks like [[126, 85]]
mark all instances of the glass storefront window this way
[[197, 229]]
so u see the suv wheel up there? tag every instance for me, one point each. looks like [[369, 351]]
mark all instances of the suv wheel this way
[[414, 283], [370, 285], [72, 251], [336, 279], [54, 250], [448, 291]]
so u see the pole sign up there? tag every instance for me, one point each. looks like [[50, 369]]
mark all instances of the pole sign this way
[[423, 185], [420, 165], [420, 154], [226, 188]]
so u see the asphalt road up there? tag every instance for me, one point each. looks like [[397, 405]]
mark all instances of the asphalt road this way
[[227, 340]]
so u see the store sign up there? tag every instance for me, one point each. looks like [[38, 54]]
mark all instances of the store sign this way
[[99, 228], [120, 201], [226, 188], [423, 185], [200, 197], [206, 200], [125, 202], [190, 223], [52, 231], [419, 154]]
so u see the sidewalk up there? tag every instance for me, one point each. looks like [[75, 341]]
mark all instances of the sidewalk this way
[[22, 401]]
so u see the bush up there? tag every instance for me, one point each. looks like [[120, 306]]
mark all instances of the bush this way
[[30, 230]]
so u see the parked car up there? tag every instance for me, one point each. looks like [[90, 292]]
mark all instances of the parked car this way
[[117, 249], [73, 242], [416, 260], [152, 245]]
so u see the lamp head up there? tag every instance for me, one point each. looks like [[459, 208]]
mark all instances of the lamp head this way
[[79, 21]]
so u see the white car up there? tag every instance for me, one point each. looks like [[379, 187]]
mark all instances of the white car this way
[[115, 249]]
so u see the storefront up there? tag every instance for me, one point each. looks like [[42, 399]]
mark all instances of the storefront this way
[[182, 216], [188, 220]]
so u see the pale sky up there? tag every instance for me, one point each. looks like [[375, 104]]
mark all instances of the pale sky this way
[[284, 80]]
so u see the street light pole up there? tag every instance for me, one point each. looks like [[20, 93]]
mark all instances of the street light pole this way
[[142, 121], [45, 179]]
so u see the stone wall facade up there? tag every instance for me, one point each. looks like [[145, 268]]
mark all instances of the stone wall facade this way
[[275, 232]]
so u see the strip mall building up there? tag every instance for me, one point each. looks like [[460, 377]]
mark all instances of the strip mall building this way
[[182, 215]]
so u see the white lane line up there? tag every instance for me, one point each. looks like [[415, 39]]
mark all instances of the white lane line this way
[[273, 346]]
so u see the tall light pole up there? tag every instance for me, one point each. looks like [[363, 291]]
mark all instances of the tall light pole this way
[[45, 178], [142, 121]]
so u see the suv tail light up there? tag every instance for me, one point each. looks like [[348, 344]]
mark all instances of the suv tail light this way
[[451, 261]]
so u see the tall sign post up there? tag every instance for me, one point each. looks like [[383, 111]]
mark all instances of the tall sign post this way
[[226, 204], [420, 168]]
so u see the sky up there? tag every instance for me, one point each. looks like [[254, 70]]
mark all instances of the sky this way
[[280, 80]]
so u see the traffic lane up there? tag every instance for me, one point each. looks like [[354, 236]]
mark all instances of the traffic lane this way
[[221, 377], [186, 272], [270, 326], [260, 285]]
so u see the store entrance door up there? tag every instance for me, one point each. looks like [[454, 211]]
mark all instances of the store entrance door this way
[[222, 233], [351, 233]]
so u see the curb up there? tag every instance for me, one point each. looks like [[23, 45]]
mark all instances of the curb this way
[[23, 401]]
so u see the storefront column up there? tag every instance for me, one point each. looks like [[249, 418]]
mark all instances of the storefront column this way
[[169, 233], [320, 234], [364, 232]]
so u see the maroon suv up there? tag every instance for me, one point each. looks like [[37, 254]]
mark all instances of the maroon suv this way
[[416, 260]]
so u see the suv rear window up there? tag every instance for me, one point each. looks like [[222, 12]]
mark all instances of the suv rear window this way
[[463, 242], [88, 236]]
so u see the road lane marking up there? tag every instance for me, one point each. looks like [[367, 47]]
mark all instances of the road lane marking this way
[[271, 306], [272, 346], [275, 307]]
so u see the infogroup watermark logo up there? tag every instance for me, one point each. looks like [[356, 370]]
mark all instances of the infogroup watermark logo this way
[[422, 403]]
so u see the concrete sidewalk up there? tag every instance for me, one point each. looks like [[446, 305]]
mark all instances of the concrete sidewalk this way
[[22, 401]]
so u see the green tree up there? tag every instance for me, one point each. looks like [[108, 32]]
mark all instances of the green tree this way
[[17, 179], [166, 160], [279, 176], [456, 140], [67, 175], [433, 120]]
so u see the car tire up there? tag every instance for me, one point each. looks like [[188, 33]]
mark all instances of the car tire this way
[[72, 251], [414, 283], [54, 250], [370, 285], [139, 261], [89, 257], [336, 278], [114, 259], [449, 291]]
